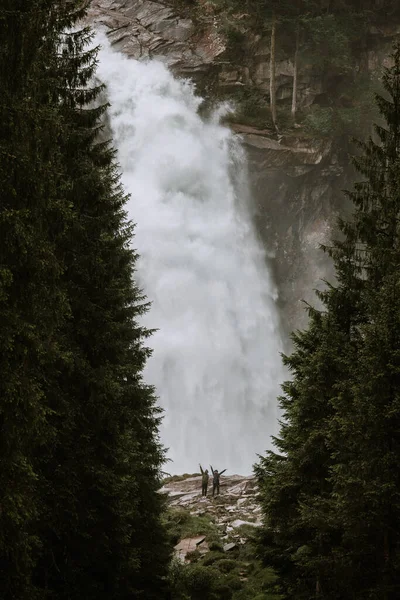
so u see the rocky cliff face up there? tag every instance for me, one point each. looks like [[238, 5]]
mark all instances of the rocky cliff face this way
[[297, 185], [296, 180], [146, 29]]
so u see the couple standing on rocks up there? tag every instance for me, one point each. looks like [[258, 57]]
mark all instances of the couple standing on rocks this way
[[204, 480]]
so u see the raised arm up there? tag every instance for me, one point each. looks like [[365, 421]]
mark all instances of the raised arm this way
[[222, 471], [201, 469], [212, 470]]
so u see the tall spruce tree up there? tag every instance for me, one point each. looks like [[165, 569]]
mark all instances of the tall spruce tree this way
[[33, 305], [103, 531], [331, 500], [366, 478], [299, 531], [301, 535], [80, 509]]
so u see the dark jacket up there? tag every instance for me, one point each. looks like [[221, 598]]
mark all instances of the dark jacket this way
[[216, 475], [204, 478]]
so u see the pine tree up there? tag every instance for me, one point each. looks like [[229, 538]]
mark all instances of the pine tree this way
[[295, 485], [366, 478], [33, 305], [301, 535], [80, 512], [103, 536], [331, 499]]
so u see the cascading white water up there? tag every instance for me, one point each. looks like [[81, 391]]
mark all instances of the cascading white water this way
[[216, 363]]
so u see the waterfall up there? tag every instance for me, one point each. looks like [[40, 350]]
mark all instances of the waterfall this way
[[215, 364]]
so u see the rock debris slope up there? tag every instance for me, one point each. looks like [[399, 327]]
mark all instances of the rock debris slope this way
[[233, 512]]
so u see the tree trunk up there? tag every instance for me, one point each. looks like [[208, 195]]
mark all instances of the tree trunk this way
[[272, 82], [386, 558], [295, 73]]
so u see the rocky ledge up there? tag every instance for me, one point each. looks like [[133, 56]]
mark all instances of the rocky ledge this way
[[232, 513], [148, 29]]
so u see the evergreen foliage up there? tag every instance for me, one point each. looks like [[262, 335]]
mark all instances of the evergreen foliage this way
[[325, 40], [80, 509], [369, 427], [330, 494], [33, 303]]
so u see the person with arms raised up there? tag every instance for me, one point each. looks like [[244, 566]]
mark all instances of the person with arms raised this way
[[204, 481], [216, 476]]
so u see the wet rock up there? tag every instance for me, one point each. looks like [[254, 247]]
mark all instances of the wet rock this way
[[230, 546], [239, 523], [184, 547], [151, 29]]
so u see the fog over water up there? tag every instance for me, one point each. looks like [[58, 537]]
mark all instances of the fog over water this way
[[215, 363]]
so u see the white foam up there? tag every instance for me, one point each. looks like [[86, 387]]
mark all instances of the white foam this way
[[216, 363]]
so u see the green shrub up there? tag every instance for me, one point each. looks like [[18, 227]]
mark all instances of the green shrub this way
[[201, 582], [235, 43], [225, 565], [215, 577], [262, 584], [249, 532], [234, 582], [211, 557], [216, 547], [193, 556], [181, 524], [320, 121], [176, 580], [223, 592]]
